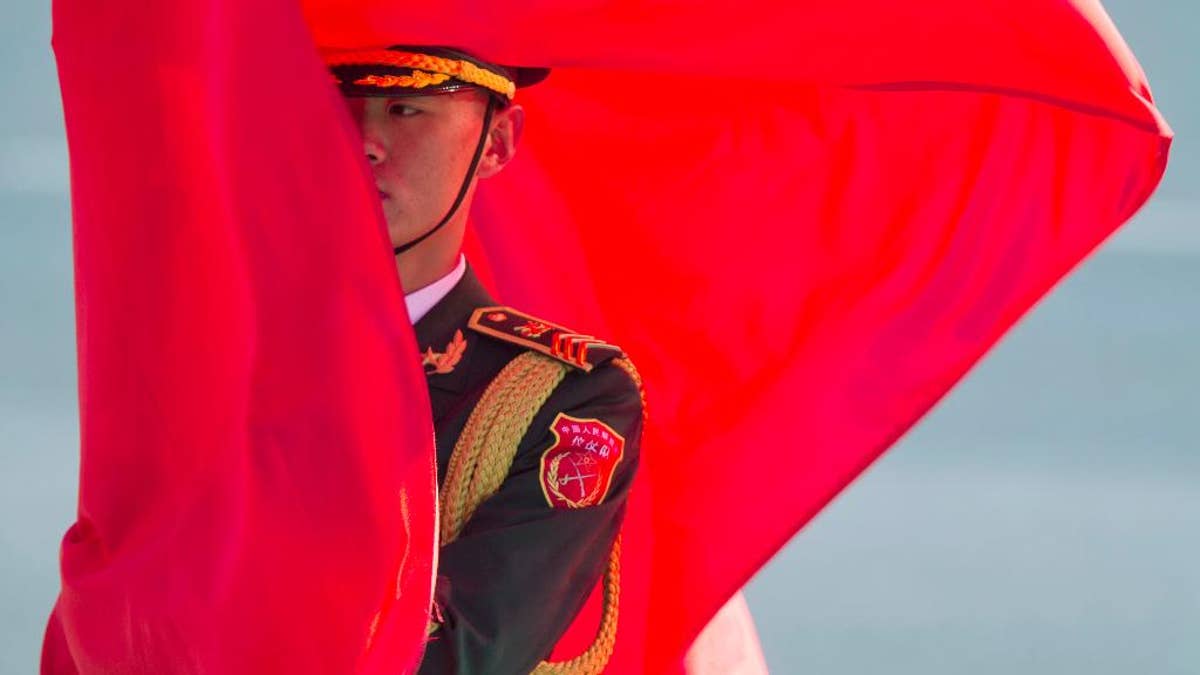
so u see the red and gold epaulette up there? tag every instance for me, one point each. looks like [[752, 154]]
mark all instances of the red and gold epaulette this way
[[576, 349]]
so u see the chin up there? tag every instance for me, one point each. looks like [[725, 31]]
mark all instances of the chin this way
[[400, 236]]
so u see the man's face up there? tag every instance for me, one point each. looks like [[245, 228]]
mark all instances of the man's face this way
[[419, 148]]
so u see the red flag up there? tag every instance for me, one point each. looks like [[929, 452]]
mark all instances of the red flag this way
[[257, 487], [803, 221]]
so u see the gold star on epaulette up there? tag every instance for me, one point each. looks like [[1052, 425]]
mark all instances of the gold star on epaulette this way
[[576, 349]]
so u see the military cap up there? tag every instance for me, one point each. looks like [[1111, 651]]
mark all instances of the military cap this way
[[407, 70]]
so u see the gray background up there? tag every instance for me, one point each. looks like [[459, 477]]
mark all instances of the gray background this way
[[1044, 519]]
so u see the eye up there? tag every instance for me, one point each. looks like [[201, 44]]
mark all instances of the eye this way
[[402, 110]]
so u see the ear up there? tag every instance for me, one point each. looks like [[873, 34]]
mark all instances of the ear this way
[[507, 125]]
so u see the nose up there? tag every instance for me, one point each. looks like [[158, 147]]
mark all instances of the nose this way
[[362, 112]]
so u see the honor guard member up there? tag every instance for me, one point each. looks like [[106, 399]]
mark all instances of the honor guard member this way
[[537, 426]]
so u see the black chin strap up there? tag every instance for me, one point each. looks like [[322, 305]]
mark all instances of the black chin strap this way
[[466, 184]]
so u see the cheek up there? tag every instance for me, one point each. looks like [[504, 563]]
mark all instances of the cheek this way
[[441, 168], [418, 160], [427, 162]]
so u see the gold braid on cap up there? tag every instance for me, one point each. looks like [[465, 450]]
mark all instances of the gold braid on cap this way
[[427, 70]]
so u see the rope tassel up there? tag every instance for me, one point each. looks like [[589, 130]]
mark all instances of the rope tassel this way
[[481, 461]]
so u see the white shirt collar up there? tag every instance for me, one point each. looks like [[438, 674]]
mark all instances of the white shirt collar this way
[[420, 301]]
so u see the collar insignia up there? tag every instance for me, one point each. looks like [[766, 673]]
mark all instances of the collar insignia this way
[[441, 363]]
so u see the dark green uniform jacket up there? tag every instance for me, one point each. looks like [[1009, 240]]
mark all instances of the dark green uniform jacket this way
[[524, 564]]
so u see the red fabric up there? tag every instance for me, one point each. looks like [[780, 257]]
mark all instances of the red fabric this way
[[257, 477], [804, 222]]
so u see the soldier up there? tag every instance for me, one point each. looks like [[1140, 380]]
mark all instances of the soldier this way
[[537, 427]]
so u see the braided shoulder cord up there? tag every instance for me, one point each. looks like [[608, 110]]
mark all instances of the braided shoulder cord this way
[[488, 444], [595, 658], [482, 458]]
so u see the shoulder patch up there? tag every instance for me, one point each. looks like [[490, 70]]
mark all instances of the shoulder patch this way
[[504, 323], [577, 469]]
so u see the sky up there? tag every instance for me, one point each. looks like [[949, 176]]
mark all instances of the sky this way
[[1042, 519]]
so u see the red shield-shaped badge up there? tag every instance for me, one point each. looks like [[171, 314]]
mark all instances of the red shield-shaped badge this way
[[577, 468]]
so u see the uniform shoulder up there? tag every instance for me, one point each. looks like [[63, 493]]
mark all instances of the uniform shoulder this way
[[578, 350]]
